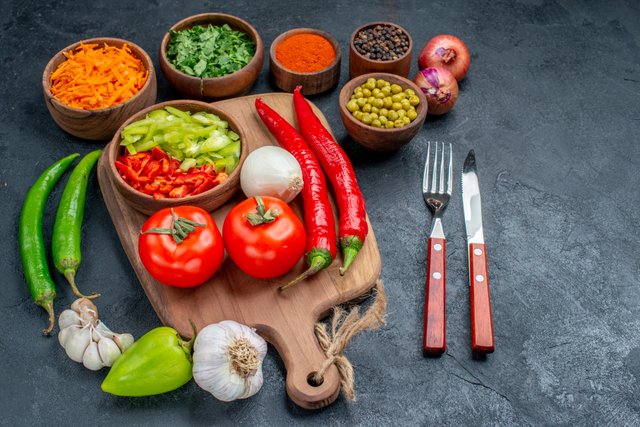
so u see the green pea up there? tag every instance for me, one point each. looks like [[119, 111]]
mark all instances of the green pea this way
[[371, 99], [375, 91], [396, 106], [379, 95], [395, 88], [373, 115], [401, 113], [358, 115], [366, 108], [357, 95], [414, 100], [405, 104], [352, 106], [375, 109], [412, 114], [386, 90], [379, 103], [353, 97], [383, 112], [370, 84], [361, 102], [358, 89], [397, 97], [393, 115], [383, 119], [366, 93], [410, 92], [387, 102], [376, 123], [406, 120], [366, 119], [389, 125], [381, 83], [398, 123]]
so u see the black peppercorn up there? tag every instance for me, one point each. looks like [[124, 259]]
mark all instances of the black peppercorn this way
[[383, 43]]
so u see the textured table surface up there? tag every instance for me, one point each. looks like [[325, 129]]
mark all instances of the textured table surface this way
[[551, 107]]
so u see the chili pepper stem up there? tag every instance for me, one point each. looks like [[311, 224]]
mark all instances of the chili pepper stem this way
[[351, 245], [70, 275], [318, 263], [48, 306]]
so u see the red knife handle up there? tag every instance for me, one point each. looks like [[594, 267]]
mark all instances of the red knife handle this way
[[481, 319], [434, 341]]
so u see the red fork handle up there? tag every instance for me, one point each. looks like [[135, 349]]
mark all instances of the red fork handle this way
[[434, 341], [481, 319]]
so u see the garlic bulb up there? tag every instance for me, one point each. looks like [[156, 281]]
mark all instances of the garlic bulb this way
[[271, 171], [86, 339], [227, 360]]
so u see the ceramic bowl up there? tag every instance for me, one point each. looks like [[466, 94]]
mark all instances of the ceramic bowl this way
[[375, 138], [209, 200], [98, 124], [312, 83], [359, 64], [234, 84]]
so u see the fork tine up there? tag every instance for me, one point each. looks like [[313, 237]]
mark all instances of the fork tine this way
[[441, 186], [425, 176], [435, 169], [449, 183]]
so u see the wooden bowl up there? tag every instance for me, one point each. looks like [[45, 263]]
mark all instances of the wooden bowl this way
[[98, 124], [234, 84], [209, 200], [375, 138], [359, 64], [312, 83]]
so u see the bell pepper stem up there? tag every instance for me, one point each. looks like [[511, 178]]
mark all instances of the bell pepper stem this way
[[317, 259], [351, 245], [187, 346]]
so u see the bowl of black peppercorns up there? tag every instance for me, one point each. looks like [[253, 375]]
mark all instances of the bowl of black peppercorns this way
[[380, 47]]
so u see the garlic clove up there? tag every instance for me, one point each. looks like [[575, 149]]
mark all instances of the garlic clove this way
[[102, 328], [77, 342], [108, 350], [64, 334], [68, 318], [87, 310], [91, 357], [123, 341], [255, 384]]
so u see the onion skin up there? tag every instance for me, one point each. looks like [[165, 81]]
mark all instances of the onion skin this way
[[446, 51], [439, 87]]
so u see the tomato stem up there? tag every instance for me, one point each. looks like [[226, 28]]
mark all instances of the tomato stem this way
[[262, 216], [180, 228]]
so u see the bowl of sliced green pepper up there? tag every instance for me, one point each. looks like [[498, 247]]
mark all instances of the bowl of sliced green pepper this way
[[212, 56], [177, 153]]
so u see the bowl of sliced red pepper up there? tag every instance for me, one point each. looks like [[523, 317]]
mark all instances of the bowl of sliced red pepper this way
[[177, 153]]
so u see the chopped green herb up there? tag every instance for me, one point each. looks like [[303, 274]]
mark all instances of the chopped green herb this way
[[210, 51]]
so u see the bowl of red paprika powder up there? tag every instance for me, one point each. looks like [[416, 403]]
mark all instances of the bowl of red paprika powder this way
[[306, 57]]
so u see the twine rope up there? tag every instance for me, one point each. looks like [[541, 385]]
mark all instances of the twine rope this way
[[344, 326]]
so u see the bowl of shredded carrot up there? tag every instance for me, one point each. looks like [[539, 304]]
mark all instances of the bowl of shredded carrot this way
[[305, 57], [91, 87]]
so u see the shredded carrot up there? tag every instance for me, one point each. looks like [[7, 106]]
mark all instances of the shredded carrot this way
[[95, 77]]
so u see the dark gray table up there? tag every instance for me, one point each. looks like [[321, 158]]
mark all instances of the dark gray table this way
[[551, 108]]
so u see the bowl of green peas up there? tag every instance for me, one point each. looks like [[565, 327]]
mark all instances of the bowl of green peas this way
[[381, 111]]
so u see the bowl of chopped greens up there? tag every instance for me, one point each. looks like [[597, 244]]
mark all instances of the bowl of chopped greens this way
[[177, 153], [212, 56]]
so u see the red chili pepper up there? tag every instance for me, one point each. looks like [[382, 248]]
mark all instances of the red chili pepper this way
[[353, 216], [318, 216]]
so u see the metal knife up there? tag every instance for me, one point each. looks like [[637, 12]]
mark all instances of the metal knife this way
[[481, 319]]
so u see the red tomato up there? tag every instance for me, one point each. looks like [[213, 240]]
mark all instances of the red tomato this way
[[266, 250], [186, 264]]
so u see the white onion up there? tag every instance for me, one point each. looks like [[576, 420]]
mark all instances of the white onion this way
[[271, 171]]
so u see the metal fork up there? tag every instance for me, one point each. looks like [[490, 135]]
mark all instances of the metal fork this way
[[437, 196]]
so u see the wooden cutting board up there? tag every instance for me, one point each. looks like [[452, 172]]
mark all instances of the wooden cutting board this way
[[285, 319]]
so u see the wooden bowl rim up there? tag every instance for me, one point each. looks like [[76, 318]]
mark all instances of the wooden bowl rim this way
[[144, 57], [192, 20], [379, 61], [282, 37], [347, 90], [179, 104]]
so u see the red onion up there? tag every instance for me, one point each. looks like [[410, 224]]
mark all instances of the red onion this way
[[448, 52], [439, 87]]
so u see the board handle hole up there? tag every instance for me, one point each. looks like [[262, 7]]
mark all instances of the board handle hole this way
[[312, 381]]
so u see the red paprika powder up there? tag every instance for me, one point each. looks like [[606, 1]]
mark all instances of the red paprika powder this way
[[305, 53]]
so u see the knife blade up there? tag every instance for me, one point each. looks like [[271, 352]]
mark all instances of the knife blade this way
[[481, 319]]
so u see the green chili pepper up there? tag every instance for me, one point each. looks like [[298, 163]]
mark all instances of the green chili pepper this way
[[31, 243], [160, 361], [67, 229]]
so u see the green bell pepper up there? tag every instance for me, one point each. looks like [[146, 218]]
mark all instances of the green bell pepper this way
[[160, 361]]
